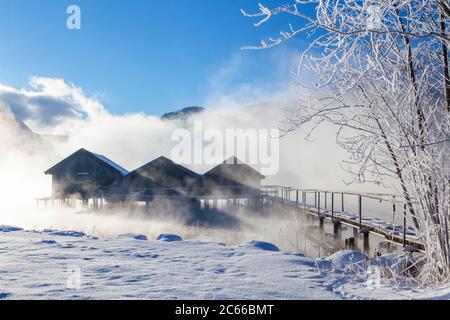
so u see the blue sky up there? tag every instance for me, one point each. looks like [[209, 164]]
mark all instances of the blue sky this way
[[148, 56]]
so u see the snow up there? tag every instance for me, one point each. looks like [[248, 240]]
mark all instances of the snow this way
[[42, 265], [345, 259], [122, 171], [136, 236], [49, 241], [4, 295], [260, 245], [9, 229], [389, 259], [67, 233], [169, 237]]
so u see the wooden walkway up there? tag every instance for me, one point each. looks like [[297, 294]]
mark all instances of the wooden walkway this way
[[295, 199]]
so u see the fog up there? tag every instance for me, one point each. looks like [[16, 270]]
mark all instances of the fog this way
[[43, 124]]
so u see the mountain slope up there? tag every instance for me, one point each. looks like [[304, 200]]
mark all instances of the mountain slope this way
[[182, 113]]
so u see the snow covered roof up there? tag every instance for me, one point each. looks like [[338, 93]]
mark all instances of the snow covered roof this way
[[122, 171], [99, 157]]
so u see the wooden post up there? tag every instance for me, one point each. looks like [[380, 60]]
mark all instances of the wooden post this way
[[304, 197], [332, 206], [296, 197], [350, 243], [318, 204], [337, 229], [360, 211], [355, 233], [366, 243], [342, 203]]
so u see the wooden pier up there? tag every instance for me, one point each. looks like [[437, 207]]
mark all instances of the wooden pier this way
[[330, 205]]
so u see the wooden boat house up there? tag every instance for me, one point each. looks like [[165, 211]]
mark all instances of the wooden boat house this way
[[160, 177], [233, 172], [86, 176]]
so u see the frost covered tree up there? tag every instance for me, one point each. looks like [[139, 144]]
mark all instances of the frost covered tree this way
[[382, 77]]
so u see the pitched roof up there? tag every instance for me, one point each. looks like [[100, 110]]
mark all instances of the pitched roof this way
[[163, 173], [233, 167], [122, 171], [96, 156], [163, 161]]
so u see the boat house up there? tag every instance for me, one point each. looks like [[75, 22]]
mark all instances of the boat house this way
[[232, 177], [160, 177], [85, 176]]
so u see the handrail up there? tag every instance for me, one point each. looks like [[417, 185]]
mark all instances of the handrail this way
[[390, 197]]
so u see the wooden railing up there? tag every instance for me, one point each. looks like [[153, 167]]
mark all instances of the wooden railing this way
[[328, 203]]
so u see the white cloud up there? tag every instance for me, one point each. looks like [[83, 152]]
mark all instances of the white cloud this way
[[49, 104]]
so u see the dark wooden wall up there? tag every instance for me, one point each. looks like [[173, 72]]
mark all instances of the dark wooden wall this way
[[81, 175]]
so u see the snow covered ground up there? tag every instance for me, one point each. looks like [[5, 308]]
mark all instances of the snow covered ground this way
[[54, 264]]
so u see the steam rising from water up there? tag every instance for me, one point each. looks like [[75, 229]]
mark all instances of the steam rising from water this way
[[68, 120]]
